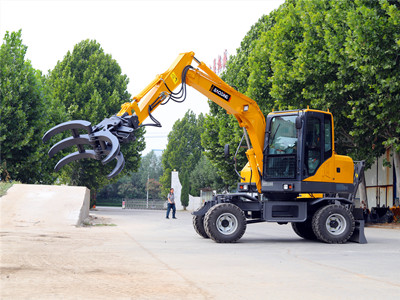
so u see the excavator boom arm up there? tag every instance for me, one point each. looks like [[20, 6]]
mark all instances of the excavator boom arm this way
[[161, 90], [204, 80]]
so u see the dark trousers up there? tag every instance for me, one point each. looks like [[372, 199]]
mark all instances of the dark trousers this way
[[169, 207]]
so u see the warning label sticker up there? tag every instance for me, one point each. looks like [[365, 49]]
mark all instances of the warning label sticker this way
[[174, 78]]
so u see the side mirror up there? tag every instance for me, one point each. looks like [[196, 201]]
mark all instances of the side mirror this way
[[226, 151], [299, 122]]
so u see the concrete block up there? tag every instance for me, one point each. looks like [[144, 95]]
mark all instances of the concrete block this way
[[44, 206]]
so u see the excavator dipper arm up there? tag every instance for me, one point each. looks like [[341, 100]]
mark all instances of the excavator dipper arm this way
[[105, 137]]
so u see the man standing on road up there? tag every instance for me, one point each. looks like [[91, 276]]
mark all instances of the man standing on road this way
[[171, 204]]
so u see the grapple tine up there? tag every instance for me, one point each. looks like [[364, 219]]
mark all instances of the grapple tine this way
[[118, 167], [74, 156], [76, 124], [104, 138], [68, 142], [112, 140], [91, 154]]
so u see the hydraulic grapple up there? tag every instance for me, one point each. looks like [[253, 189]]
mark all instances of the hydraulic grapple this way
[[104, 140]]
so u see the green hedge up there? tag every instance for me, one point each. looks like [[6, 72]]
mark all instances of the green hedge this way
[[109, 202]]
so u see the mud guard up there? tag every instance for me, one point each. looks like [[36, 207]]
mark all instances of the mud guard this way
[[203, 210]]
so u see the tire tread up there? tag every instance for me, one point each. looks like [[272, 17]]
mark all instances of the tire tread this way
[[319, 227], [212, 215], [198, 224]]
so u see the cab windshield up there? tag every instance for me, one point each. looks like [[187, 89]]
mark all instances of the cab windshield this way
[[283, 137]]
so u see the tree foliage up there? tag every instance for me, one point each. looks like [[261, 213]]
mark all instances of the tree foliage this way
[[204, 176], [154, 188], [326, 54], [135, 184], [373, 47], [90, 85], [185, 190], [221, 128], [341, 56], [27, 109], [183, 149]]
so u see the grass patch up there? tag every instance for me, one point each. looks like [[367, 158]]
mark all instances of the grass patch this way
[[4, 186]]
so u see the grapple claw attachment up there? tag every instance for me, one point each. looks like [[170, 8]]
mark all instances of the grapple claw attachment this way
[[73, 125], [68, 142], [74, 156], [104, 138], [118, 167], [108, 142]]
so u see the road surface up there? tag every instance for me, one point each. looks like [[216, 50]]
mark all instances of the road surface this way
[[138, 254]]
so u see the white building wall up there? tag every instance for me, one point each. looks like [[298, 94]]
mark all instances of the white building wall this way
[[379, 182], [177, 186], [194, 202]]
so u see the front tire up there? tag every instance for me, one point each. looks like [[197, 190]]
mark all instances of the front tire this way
[[225, 223], [198, 224], [333, 224]]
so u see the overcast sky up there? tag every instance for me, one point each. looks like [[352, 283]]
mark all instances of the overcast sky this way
[[144, 37]]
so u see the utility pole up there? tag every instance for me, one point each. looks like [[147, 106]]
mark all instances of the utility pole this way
[[147, 197]]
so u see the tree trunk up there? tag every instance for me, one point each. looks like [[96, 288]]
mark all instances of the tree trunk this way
[[396, 160], [363, 193], [93, 196]]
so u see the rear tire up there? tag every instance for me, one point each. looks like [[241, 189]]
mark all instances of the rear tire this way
[[225, 223], [198, 224], [333, 224], [304, 229]]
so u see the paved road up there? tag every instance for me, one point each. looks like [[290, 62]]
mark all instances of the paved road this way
[[146, 256], [269, 262]]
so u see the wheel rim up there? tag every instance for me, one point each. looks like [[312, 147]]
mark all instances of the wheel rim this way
[[227, 223], [336, 224]]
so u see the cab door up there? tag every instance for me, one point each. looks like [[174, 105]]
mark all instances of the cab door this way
[[318, 146]]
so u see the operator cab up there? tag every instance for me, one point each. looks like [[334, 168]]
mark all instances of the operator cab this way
[[299, 156]]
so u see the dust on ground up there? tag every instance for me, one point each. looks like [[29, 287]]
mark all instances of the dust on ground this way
[[91, 262]]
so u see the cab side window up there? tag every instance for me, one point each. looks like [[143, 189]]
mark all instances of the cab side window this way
[[327, 137], [313, 145]]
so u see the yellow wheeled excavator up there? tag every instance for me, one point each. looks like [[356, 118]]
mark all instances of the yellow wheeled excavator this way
[[293, 172]]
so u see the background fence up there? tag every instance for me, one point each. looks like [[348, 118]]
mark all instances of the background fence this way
[[155, 204]]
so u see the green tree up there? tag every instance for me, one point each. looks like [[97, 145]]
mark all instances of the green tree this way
[[204, 175], [150, 166], [328, 54], [213, 139], [183, 149], [322, 56], [27, 109], [134, 184], [373, 47], [90, 85], [154, 188], [221, 128], [185, 190], [305, 53]]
